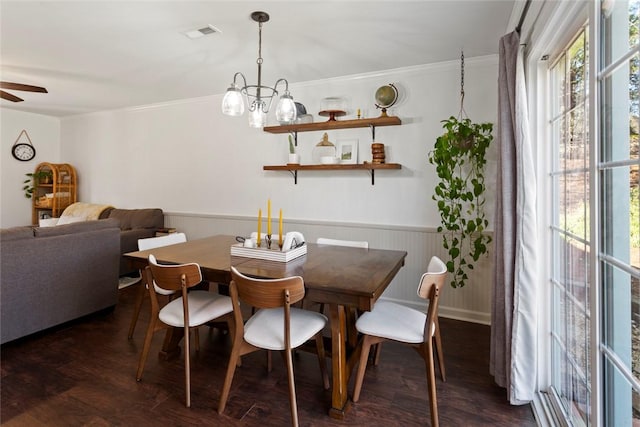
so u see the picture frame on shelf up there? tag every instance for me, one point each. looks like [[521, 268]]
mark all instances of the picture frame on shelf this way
[[348, 151]]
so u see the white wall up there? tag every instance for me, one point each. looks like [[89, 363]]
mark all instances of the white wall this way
[[187, 157], [44, 132], [205, 169]]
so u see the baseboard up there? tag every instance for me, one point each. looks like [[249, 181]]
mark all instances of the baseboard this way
[[450, 312], [466, 315]]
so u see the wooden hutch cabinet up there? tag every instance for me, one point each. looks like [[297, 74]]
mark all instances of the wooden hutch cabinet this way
[[52, 195]]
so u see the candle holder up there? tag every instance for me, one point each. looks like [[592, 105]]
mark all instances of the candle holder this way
[[268, 240]]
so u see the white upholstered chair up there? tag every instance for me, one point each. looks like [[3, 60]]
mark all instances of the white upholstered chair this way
[[190, 310], [275, 326], [391, 321], [143, 245]]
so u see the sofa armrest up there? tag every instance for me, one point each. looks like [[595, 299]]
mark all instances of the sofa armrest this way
[[129, 238]]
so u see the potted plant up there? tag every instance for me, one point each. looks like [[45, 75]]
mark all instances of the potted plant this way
[[294, 158], [459, 157], [41, 176]]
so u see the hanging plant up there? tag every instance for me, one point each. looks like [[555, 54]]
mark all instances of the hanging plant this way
[[460, 157]]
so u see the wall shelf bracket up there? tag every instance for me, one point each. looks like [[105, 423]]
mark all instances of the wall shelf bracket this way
[[294, 173]]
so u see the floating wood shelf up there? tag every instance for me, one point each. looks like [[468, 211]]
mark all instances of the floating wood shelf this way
[[371, 167], [335, 124]]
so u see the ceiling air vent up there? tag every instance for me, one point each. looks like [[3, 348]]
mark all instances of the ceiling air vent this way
[[205, 31]]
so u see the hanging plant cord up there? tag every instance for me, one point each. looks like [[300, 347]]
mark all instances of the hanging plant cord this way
[[460, 114]]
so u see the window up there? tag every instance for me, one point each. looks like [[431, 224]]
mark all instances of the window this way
[[594, 229], [618, 254], [569, 231]]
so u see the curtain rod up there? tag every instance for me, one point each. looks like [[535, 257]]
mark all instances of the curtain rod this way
[[524, 15]]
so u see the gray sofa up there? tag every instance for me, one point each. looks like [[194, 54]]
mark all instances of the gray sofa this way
[[52, 275], [134, 224]]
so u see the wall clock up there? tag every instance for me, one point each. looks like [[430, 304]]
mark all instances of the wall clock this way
[[23, 151]]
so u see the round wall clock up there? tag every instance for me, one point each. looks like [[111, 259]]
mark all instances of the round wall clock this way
[[23, 151]]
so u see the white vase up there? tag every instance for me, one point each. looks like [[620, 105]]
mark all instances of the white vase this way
[[294, 158]]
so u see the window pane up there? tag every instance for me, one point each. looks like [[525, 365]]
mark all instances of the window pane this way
[[622, 403], [577, 263], [557, 88], [620, 93], [619, 219], [576, 205], [620, 27], [559, 255], [577, 72], [618, 320], [577, 139]]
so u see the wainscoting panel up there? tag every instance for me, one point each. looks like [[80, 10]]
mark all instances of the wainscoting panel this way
[[471, 303]]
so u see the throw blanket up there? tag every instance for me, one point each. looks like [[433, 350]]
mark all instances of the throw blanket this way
[[87, 211]]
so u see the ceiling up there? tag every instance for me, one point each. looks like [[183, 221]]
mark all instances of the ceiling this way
[[101, 55]]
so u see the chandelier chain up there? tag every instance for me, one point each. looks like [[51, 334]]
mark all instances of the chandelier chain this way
[[259, 60]]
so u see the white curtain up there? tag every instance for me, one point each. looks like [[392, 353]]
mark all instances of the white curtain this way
[[515, 287]]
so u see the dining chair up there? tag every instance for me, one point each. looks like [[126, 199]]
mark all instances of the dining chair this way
[[275, 326], [395, 322], [189, 310], [144, 245], [350, 312]]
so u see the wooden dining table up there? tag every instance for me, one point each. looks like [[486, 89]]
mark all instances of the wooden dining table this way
[[341, 278]]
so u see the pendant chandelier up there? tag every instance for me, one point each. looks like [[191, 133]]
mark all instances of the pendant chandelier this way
[[258, 98]]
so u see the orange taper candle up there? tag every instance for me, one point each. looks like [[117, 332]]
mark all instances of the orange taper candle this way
[[280, 229], [259, 226], [269, 216]]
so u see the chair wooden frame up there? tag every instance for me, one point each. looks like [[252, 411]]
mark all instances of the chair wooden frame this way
[[143, 245], [178, 278], [268, 294], [430, 287]]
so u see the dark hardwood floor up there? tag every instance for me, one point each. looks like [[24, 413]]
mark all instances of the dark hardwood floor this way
[[83, 374]]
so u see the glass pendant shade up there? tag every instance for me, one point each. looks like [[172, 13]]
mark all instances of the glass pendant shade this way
[[257, 117], [286, 109], [232, 103]]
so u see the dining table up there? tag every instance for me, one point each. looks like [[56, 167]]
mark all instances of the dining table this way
[[341, 278]]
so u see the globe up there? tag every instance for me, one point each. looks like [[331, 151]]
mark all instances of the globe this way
[[386, 96]]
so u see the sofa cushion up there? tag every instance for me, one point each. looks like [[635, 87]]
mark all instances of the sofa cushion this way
[[16, 233], [148, 218], [75, 227], [138, 218]]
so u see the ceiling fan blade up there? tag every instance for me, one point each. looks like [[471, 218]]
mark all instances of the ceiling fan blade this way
[[20, 86], [9, 97]]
